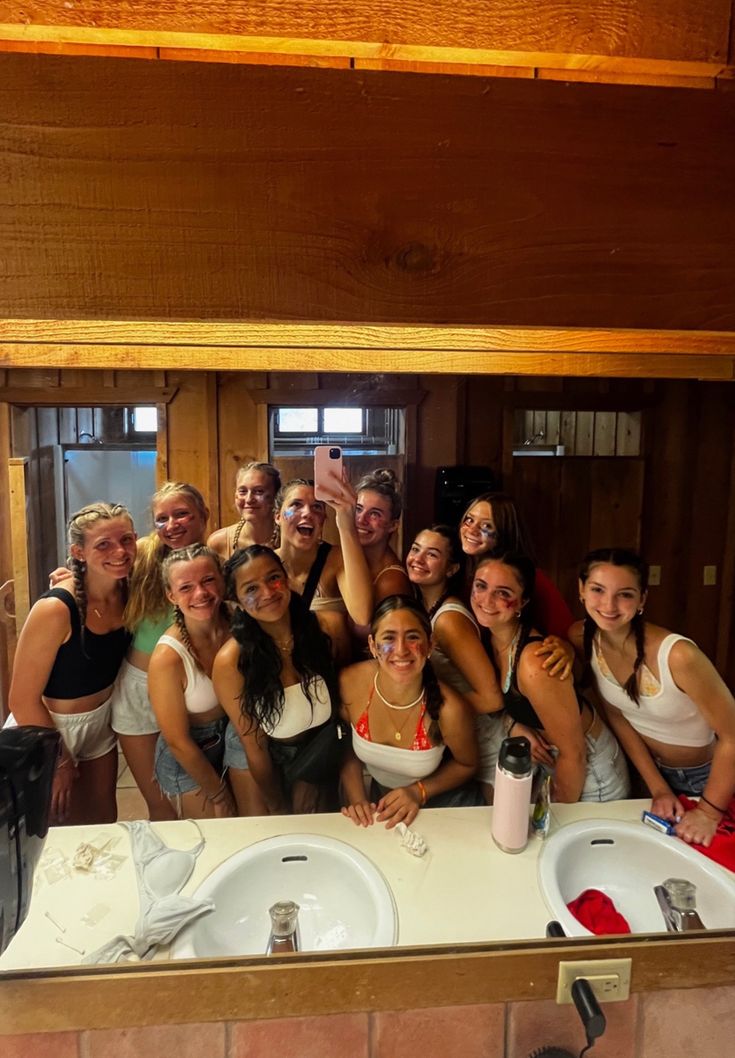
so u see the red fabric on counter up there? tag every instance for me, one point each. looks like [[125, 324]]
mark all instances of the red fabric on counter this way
[[598, 913]]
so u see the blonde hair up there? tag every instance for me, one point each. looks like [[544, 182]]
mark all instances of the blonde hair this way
[[173, 558], [76, 532], [147, 598], [270, 472]]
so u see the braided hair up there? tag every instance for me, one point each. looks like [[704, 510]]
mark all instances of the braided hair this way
[[260, 662], [432, 690], [76, 530], [172, 559], [628, 559], [275, 478]]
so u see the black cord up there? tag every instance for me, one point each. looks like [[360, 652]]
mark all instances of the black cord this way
[[587, 1048]]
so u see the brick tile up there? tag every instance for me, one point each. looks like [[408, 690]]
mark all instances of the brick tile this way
[[156, 1041], [41, 1045], [330, 1036], [688, 1023], [540, 1023], [471, 1031]]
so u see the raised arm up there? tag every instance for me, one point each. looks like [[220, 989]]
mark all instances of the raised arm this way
[[166, 686], [353, 575], [457, 637]]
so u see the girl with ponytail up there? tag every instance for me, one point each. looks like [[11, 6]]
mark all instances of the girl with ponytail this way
[[403, 720], [668, 706], [68, 655]]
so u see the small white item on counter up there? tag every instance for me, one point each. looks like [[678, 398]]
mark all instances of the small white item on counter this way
[[411, 841]]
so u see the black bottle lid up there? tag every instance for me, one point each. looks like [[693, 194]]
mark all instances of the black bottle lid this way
[[515, 756]]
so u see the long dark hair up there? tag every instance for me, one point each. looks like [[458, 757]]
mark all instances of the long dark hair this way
[[628, 559], [525, 571], [429, 681], [260, 662]]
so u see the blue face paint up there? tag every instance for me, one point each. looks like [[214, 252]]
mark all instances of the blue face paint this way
[[289, 512], [386, 649], [486, 533]]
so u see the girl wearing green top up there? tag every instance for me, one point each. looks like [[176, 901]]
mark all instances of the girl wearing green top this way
[[180, 520]]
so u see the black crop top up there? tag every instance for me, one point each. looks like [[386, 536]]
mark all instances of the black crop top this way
[[78, 672], [517, 705]]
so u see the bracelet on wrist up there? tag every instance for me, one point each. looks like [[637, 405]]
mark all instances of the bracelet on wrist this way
[[422, 793], [219, 794], [717, 808]]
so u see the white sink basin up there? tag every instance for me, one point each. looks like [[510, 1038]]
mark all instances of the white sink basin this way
[[625, 861], [345, 901]]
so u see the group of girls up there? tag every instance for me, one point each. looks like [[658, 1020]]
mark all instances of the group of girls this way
[[263, 670]]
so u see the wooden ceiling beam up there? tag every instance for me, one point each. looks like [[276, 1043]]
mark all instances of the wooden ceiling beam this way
[[661, 42]]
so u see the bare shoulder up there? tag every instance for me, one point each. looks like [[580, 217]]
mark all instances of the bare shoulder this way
[[576, 635], [228, 653], [353, 677], [218, 539]]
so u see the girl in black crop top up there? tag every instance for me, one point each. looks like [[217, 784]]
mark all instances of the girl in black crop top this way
[[67, 658], [501, 590]]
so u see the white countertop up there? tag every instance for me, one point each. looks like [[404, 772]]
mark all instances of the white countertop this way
[[464, 890]]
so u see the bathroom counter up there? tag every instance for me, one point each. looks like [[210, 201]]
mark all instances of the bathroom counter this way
[[463, 890]]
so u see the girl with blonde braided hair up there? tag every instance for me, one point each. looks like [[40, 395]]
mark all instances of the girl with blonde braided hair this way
[[191, 752], [256, 487], [180, 519], [68, 655]]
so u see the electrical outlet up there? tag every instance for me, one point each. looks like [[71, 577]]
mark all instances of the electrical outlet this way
[[654, 576], [609, 978], [709, 575]]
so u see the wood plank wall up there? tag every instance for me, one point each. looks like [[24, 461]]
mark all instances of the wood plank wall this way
[[137, 190]]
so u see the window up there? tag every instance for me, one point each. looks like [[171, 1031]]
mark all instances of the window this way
[[359, 431], [144, 419]]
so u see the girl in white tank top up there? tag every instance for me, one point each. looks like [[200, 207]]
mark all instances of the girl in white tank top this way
[[669, 708]]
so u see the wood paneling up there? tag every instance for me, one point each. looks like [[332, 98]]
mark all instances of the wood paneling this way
[[668, 36], [169, 190]]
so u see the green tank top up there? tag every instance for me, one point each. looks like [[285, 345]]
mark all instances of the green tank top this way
[[150, 630]]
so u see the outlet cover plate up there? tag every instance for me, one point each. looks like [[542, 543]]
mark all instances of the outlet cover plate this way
[[609, 978]]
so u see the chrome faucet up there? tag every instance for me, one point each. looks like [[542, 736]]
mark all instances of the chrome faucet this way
[[284, 928], [677, 899]]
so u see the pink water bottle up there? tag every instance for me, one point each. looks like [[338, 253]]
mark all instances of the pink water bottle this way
[[513, 778]]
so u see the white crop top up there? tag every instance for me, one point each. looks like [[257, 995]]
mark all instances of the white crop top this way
[[199, 694], [668, 715], [297, 715], [392, 766]]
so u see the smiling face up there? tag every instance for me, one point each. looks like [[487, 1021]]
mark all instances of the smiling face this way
[[497, 595], [196, 587], [301, 518], [262, 590], [400, 645], [373, 517], [477, 531], [108, 548], [178, 521], [254, 496], [429, 560], [611, 595]]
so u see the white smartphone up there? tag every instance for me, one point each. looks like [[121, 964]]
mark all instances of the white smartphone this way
[[327, 470]]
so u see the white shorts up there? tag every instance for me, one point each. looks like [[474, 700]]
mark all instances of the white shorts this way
[[131, 710], [490, 734], [87, 736]]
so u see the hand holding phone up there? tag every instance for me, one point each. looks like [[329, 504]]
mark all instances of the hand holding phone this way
[[327, 472]]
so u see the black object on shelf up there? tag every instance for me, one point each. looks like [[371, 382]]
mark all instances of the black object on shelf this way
[[456, 487]]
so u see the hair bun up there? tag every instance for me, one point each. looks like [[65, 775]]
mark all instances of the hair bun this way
[[385, 476]]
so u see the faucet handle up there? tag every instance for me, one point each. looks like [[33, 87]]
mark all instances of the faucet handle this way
[[283, 917], [681, 894]]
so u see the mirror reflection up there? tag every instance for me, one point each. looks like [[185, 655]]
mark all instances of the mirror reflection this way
[[357, 613]]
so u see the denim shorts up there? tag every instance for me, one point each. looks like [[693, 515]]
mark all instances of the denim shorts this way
[[222, 750], [686, 780]]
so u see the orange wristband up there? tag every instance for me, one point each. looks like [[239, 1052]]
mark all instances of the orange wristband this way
[[422, 792]]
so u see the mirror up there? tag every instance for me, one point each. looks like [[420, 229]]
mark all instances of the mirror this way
[[638, 462]]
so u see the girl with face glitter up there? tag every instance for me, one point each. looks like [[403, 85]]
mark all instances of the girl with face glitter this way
[[277, 681], [403, 720], [567, 736], [256, 486]]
